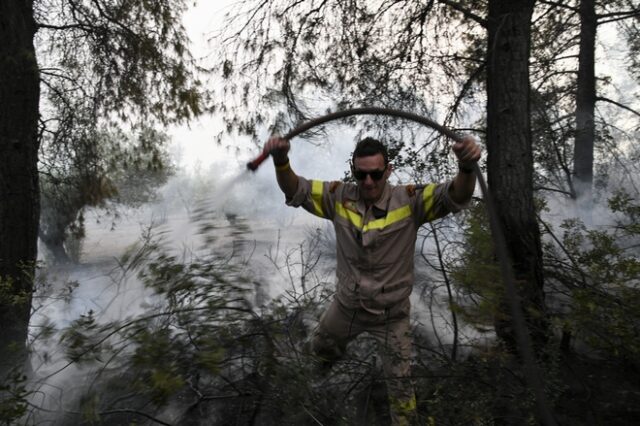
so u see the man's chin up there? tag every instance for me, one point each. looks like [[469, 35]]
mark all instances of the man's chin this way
[[370, 197]]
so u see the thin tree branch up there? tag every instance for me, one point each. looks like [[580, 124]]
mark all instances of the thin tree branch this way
[[600, 98], [452, 309], [466, 12], [625, 14], [620, 18], [559, 4], [62, 27], [546, 188], [136, 412], [465, 87]]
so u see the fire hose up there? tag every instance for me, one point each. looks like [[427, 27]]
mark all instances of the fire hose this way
[[532, 374]]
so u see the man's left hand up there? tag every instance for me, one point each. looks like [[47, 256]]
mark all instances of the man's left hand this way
[[467, 151]]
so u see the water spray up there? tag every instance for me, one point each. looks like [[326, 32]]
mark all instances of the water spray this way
[[532, 373]]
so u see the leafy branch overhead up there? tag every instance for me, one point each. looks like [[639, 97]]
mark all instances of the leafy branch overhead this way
[[304, 57], [108, 69], [125, 58]]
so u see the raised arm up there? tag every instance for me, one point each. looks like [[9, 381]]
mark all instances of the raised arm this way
[[287, 179], [468, 153]]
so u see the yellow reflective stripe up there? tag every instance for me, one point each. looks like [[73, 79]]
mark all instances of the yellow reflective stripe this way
[[427, 199], [353, 217], [410, 405], [316, 197], [404, 410], [356, 220], [392, 217]]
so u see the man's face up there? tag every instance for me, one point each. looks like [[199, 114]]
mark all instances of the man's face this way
[[370, 188]]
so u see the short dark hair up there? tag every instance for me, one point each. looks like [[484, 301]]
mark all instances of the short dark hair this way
[[370, 146]]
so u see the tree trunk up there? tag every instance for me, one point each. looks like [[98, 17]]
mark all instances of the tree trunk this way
[[19, 200], [510, 157], [585, 103], [54, 242]]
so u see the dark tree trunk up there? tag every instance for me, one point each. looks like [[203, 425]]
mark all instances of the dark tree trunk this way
[[54, 242], [19, 200], [585, 103], [56, 216], [510, 157]]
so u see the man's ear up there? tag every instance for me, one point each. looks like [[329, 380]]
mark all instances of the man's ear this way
[[387, 172]]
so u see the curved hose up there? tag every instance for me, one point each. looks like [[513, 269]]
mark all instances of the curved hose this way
[[532, 374]]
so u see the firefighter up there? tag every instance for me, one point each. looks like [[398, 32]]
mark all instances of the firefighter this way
[[376, 226]]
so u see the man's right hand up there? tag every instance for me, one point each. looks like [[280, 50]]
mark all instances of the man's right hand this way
[[278, 148]]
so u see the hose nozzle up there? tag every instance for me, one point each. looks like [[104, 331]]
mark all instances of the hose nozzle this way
[[254, 164]]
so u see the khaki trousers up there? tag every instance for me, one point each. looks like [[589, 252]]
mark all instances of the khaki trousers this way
[[339, 325]]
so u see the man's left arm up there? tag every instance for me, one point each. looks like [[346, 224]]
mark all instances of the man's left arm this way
[[468, 153]]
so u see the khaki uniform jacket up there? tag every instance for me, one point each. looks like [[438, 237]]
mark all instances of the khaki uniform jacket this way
[[375, 246]]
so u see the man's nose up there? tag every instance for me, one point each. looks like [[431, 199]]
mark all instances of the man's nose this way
[[369, 180]]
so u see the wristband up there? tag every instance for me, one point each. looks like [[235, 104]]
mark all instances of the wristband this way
[[284, 167], [465, 169]]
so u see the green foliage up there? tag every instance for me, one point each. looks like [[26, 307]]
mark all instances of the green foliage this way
[[120, 57], [13, 397], [183, 340], [477, 274], [156, 360], [96, 168], [83, 340], [89, 404], [199, 346], [486, 387], [10, 296], [111, 72], [599, 269]]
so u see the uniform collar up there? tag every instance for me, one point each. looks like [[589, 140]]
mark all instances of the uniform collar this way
[[382, 203]]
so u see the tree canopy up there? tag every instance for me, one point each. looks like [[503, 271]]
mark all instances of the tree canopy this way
[[90, 64]]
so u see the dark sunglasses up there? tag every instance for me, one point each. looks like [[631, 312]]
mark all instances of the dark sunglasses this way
[[375, 174]]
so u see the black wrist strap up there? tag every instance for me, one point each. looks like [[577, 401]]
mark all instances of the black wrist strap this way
[[465, 169], [281, 163]]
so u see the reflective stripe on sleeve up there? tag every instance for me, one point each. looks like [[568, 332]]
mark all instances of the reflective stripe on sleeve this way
[[428, 201], [316, 197]]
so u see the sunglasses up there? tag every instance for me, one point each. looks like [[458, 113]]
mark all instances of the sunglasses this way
[[375, 174]]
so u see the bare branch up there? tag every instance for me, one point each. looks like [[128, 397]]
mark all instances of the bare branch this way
[[600, 98], [545, 188], [136, 412], [620, 18], [62, 27], [559, 4], [619, 15], [466, 12], [465, 87], [443, 269]]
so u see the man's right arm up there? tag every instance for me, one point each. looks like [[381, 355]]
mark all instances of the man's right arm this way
[[287, 179]]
